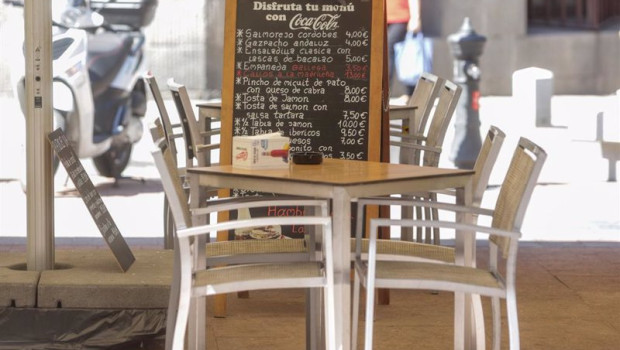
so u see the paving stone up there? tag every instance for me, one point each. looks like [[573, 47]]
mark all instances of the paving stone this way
[[18, 287]]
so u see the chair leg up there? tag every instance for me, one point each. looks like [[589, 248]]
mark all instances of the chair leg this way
[[435, 216], [179, 308], [169, 226], [330, 317], [198, 312], [172, 320], [497, 325], [406, 232], [355, 312], [513, 320], [314, 319], [428, 232], [478, 321], [370, 311], [419, 230], [197, 326]]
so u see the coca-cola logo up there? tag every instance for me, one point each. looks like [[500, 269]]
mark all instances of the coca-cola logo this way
[[322, 22]]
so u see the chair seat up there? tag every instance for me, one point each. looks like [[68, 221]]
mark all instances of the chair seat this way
[[406, 249], [417, 275], [252, 276], [256, 246]]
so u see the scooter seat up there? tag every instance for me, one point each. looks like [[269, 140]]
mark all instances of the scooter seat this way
[[106, 54]]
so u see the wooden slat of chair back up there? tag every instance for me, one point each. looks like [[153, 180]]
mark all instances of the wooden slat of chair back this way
[[448, 99], [519, 183], [489, 151], [423, 98], [189, 124], [163, 112], [175, 193], [157, 131]]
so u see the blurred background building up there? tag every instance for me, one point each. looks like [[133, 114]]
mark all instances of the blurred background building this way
[[577, 40]]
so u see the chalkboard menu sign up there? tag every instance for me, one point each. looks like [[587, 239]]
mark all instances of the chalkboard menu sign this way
[[309, 69], [92, 199]]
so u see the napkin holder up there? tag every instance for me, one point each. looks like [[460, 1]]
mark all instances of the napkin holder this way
[[266, 151]]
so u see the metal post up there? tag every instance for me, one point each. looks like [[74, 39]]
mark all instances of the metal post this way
[[466, 46], [39, 177], [214, 36]]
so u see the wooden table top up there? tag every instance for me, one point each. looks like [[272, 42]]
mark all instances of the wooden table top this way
[[337, 172]]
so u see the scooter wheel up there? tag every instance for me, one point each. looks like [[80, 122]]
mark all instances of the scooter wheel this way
[[113, 161]]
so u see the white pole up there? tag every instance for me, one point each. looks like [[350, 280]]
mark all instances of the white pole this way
[[39, 176]]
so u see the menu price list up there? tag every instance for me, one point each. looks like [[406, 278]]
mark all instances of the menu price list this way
[[303, 68], [92, 199]]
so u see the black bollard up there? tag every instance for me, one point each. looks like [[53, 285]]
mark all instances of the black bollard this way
[[466, 47]]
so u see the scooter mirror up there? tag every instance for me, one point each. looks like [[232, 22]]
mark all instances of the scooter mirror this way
[[77, 17], [96, 19]]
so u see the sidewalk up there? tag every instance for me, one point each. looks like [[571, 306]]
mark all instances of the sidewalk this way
[[573, 201]]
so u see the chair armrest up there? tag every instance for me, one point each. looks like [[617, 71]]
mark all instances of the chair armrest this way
[[458, 227], [447, 192], [212, 132], [407, 202], [416, 138], [234, 203], [417, 146], [263, 221], [209, 147]]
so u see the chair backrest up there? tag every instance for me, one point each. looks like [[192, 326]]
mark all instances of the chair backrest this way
[[173, 187], [157, 131], [189, 124], [423, 98], [447, 101], [163, 112], [484, 162], [516, 190]]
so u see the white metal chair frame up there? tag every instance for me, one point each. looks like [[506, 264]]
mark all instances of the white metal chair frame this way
[[426, 147], [503, 233], [165, 129], [195, 148], [489, 151], [422, 100], [199, 154], [168, 127], [252, 255], [196, 282], [405, 250]]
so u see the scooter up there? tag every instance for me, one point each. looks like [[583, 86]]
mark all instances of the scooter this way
[[99, 98]]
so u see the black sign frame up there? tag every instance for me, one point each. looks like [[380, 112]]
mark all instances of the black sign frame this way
[[257, 33], [343, 54]]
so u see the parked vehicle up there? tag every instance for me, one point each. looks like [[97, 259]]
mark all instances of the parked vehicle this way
[[99, 98]]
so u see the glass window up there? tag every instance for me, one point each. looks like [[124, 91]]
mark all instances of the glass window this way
[[585, 14]]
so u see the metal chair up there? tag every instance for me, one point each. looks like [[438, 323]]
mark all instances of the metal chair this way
[[490, 281], [197, 144], [413, 117], [197, 151], [227, 266], [405, 249], [166, 130], [199, 154], [164, 118], [425, 148]]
